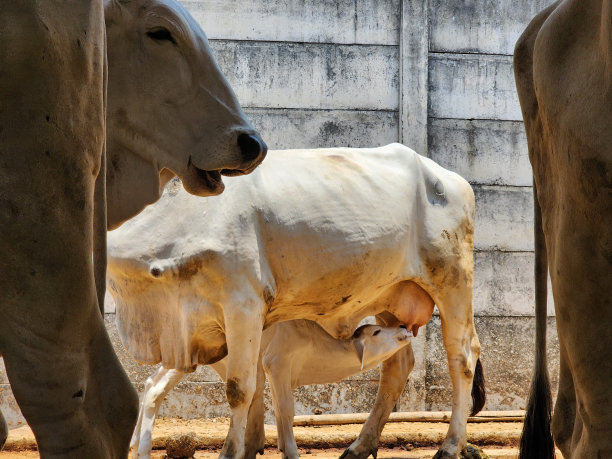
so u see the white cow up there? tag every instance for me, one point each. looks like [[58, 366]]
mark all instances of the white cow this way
[[170, 111], [330, 235], [294, 354]]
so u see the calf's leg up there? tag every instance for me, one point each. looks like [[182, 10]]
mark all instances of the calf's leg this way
[[393, 376], [158, 385], [278, 369]]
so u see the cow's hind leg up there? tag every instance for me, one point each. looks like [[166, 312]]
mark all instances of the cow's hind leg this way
[[463, 352], [243, 328], [564, 415], [393, 377], [156, 388]]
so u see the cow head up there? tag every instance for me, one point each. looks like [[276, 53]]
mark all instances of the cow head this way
[[375, 343], [170, 109]]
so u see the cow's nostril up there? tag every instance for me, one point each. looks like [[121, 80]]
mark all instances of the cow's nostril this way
[[403, 326], [250, 146]]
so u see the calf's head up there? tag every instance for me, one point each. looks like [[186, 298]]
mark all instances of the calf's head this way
[[170, 109], [375, 343]]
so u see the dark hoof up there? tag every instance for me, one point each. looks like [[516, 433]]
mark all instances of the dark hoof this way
[[441, 454], [253, 455], [473, 452], [470, 452], [348, 454]]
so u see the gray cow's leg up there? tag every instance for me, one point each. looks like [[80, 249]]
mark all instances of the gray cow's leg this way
[[564, 416], [74, 394], [156, 388], [3, 431], [393, 376]]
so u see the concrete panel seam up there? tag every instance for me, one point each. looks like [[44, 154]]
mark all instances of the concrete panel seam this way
[[467, 53], [308, 43]]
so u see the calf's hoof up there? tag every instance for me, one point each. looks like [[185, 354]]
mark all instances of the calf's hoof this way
[[349, 454]]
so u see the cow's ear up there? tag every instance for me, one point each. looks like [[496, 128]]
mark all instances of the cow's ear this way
[[360, 347], [114, 9]]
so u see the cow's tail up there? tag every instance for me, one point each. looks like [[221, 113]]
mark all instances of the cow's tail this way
[[479, 394], [536, 439]]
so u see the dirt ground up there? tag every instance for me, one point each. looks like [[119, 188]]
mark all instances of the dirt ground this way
[[399, 439]]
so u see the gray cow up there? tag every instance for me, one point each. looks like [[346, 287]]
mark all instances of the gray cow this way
[[170, 112]]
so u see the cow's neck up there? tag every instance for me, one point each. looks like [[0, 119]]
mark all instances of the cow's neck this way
[[132, 183]]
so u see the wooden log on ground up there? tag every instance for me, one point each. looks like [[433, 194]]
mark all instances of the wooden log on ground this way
[[421, 416]]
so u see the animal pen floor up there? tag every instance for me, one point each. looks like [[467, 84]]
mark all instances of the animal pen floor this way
[[399, 439]]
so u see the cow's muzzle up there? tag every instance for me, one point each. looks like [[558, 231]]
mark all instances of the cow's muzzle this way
[[253, 150]]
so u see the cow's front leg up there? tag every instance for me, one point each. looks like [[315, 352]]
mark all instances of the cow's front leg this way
[[393, 376], [243, 329], [156, 388], [463, 351]]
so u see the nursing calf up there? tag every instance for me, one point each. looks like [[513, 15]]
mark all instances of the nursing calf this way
[[294, 354], [330, 235]]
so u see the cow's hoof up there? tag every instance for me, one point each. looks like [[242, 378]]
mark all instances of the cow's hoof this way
[[473, 452], [441, 454], [253, 455], [348, 454], [470, 452]]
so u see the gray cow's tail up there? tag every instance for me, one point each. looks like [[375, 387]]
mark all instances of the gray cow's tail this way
[[536, 439], [100, 216]]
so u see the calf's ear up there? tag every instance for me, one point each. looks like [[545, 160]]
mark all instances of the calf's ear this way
[[360, 347]]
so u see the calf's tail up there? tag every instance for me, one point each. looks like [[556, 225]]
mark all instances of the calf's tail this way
[[536, 439]]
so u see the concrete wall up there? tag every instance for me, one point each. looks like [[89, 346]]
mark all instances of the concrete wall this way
[[434, 74]]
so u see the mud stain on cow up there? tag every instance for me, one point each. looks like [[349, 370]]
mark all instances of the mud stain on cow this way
[[594, 178], [343, 300], [235, 396], [268, 297], [189, 268]]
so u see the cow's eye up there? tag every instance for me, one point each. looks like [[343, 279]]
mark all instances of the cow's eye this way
[[376, 333], [161, 34]]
